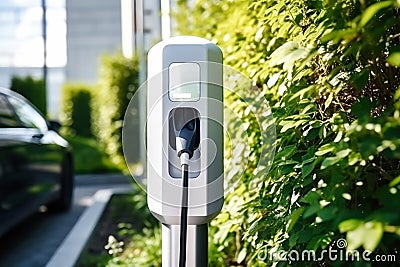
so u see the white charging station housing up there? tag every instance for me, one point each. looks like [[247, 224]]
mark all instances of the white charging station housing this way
[[185, 76]]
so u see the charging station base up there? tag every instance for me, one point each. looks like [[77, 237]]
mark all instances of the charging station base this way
[[196, 249]]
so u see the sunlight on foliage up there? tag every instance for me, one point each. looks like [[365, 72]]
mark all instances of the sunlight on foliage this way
[[329, 70]]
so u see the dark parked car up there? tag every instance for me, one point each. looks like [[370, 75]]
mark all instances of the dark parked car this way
[[35, 162]]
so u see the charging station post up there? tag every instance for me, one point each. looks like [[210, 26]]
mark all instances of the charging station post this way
[[185, 145]]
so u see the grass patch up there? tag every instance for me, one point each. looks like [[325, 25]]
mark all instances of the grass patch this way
[[129, 232], [89, 158]]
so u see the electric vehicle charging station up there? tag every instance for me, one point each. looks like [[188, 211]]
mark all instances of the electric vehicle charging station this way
[[185, 145]]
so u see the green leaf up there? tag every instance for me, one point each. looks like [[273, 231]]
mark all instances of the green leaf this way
[[329, 162], [354, 157], [255, 226], [223, 217], [288, 162], [368, 145], [325, 149], [261, 172], [286, 125], [360, 79], [374, 232], [362, 109], [286, 152], [311, 210], [394, 59], [328, 101], [355, 238], [339, 35], [312, 198], [287, 54], [294, 217], [327, 213], [293, 239], [300, 94], [338, 137], [372, 10], [349, 225], [395, 181], [305, 235], [259, 34], [307, 169], [242, 255], [310, 108], [333, 160], [368, 235], [309, 157], [343, 153], [397, 94]]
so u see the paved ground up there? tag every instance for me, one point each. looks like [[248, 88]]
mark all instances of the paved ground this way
[[33, 243]]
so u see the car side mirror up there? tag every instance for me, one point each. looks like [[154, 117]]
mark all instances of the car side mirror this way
[[54, 125]]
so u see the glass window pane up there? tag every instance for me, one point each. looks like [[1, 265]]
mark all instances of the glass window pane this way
[[7, 116], [22, 26], [29, 117]]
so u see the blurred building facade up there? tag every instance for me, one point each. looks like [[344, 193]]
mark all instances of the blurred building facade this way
[[79, 32], [98, 27], [93, 29], [22, 44]]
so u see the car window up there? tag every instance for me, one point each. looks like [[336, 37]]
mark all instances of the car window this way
[[28, 116], [7, 115]]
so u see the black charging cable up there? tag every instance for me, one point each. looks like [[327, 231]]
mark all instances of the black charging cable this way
[[184, 210], [187, 140]]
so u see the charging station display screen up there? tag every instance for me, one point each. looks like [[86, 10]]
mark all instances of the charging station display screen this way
[[184, 82]]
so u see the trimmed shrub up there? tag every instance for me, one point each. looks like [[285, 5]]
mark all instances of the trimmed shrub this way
[[32, 89], [119, 80], [76, 115], [330, 71]]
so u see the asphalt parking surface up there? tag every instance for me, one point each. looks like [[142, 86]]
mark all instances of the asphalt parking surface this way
[[33, 242]]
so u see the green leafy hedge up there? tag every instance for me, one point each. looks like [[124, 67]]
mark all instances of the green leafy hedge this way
[[32, 89], [76, 115], [98, 111], [329, 69], [119, 80]]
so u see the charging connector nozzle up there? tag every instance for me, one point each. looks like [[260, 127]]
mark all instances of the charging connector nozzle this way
[[186, 126], [186, 138]]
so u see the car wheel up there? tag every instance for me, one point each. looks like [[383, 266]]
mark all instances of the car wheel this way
[[64, 201]]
